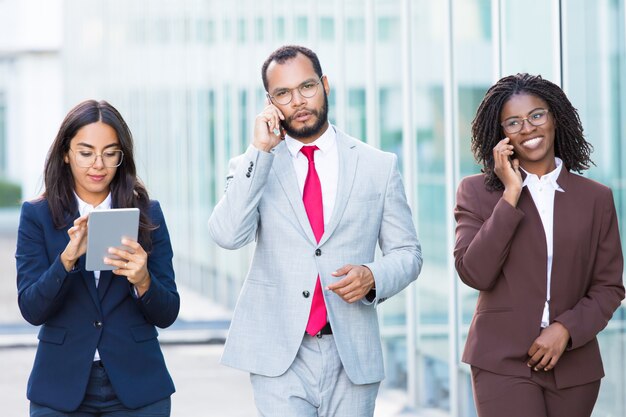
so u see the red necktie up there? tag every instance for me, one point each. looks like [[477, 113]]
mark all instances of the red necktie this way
[[312, 197]]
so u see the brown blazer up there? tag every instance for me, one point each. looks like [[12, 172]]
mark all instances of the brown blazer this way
[[501, 251]]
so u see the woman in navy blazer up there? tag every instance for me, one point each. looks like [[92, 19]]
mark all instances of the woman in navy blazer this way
[[542, 245], [98, 352]]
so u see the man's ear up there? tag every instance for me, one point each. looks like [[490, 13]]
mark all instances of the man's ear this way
[[325, 84]]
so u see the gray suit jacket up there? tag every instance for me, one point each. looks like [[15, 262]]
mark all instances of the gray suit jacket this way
[[263, 202]]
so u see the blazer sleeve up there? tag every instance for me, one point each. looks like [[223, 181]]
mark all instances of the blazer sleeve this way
[[161, 303], [483, 241], [234, 221], [401, 262], [41, 284], [592, 313]]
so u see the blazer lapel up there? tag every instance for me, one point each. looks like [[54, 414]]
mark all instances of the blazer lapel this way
[[535, 246], [283, 169], [564, 215], [348, 159], [562, 208], [87, 276], [103, 283], [89, 281]]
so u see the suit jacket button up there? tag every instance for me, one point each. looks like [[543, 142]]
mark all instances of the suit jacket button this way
[[248, 174], [306, 294], [318, 252], [97, 324]]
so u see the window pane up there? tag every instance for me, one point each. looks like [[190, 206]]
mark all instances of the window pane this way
[[355, 120], [3, 137], [259, 29], [525, 50], [302, 27], [355, 29], [279, 28], [327, 28], [241, 30], [594, 77]]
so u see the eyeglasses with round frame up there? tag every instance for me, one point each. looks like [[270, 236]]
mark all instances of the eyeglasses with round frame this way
[[110, 158], [307, 89], [516, 124]]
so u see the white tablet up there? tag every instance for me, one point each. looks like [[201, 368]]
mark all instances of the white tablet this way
[[106, 228]]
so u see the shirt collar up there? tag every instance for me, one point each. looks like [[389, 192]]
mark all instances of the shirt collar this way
[[324, 142], [550, 177], [84, 208]]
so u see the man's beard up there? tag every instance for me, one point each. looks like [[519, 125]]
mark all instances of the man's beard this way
[[308, 131]]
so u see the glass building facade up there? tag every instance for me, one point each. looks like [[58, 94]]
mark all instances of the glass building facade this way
[[3, 136], [405, 76]]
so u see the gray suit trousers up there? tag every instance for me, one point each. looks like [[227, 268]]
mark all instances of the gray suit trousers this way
[[315, 385]]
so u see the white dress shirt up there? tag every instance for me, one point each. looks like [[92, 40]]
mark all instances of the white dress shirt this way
[[326, 165], [85, 208], [543, 191]]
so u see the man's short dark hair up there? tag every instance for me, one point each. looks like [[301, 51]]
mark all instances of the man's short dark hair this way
[[287, 52]]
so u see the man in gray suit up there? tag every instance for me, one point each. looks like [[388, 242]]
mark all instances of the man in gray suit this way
[[317, 202]]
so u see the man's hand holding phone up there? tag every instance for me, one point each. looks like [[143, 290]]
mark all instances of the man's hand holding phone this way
[[267, 129]]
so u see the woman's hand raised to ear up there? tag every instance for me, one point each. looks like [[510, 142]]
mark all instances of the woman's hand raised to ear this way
[[507, 170]]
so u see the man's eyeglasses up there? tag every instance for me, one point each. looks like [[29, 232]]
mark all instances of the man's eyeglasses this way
[[285, 95], [515, 124], [110, 159]]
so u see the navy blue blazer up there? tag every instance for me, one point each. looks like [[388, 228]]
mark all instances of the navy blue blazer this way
[[76, 317]]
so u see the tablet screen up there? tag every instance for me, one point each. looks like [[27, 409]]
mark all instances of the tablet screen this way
[[106, 228]]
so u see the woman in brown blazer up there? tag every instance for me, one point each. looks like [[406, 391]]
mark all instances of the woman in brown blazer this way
[[542, 246]]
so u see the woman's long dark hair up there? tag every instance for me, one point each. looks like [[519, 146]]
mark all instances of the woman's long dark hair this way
[[126, 188], [569, 143]]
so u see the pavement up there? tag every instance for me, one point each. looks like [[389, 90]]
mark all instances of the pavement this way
[[192, 347]]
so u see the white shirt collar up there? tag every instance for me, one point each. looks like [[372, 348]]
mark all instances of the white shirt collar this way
[[550, 178], [324, 142], [84, 208]]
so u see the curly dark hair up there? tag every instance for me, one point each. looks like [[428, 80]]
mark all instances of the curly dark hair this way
[[569, 143]]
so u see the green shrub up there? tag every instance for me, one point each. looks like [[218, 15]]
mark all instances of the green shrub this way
[[10, 194]]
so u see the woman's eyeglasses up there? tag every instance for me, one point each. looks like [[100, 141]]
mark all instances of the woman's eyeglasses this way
[[515, 124], [110, 159]]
